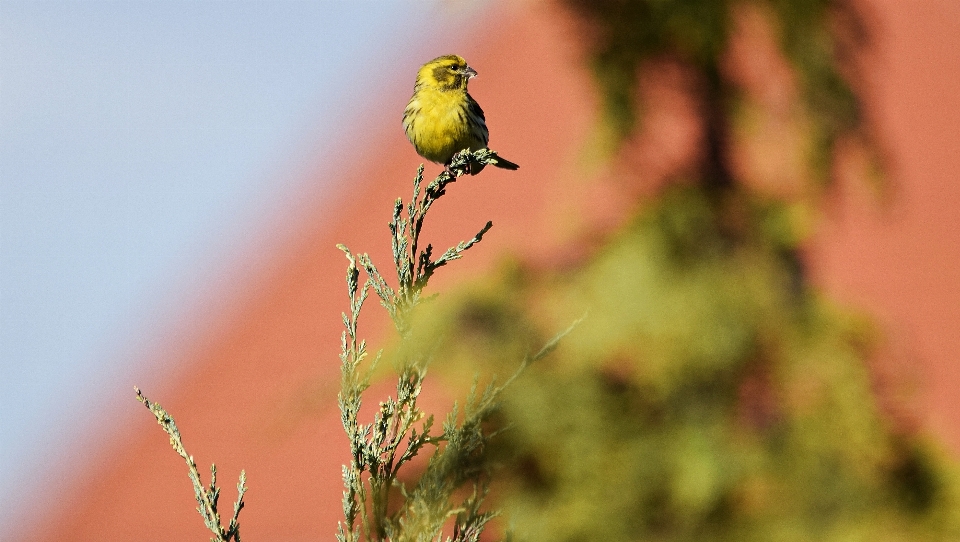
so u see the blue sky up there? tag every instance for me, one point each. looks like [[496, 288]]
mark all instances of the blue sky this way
[[142, 144]]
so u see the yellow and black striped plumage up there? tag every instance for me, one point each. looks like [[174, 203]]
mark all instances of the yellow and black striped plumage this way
[[442, 119]]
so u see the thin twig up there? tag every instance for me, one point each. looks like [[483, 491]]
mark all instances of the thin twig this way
[[206, 497]]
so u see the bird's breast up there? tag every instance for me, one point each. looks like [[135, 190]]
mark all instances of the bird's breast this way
[[437, 124]]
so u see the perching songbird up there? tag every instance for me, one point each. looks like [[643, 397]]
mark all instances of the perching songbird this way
[[442, 119]]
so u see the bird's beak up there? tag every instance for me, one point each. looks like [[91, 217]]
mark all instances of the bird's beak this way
[[469, 72]]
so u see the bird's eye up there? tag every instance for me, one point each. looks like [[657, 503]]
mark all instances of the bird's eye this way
[[455, 67]]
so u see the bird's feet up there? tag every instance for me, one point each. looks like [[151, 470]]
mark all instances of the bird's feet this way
[[466, 169]]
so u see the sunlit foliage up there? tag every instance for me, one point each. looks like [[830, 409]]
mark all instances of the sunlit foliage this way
[[711, 392]]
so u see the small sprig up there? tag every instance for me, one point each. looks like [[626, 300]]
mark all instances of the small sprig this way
[[380, 448], [207, 497], [414, 266]]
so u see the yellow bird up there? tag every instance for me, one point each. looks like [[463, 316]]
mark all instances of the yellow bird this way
[[442, 119]]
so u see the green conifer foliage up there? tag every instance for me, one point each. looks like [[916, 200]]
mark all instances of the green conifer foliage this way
[[710, 392]]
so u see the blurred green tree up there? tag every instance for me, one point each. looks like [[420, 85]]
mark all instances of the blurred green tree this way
[[712, 393]]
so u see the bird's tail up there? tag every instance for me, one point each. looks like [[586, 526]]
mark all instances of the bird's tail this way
[[491, 158], [503, 163]]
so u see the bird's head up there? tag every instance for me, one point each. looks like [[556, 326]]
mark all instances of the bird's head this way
[[449, 72]]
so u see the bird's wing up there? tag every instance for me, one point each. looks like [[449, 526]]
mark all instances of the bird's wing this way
[[478, 123]]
